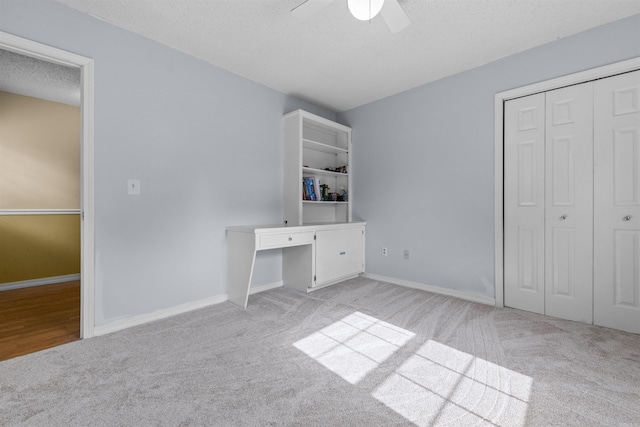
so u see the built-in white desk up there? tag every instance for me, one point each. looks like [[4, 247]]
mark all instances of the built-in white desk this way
[[314, 256]]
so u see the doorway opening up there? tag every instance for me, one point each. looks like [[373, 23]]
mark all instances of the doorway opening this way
[[85, 214]]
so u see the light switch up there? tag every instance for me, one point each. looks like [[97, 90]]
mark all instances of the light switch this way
[[133, 187]]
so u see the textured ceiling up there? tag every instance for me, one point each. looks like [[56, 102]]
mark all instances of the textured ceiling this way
[[337, 62], [39, 79]]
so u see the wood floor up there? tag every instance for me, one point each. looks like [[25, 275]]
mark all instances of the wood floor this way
[[39, 317]]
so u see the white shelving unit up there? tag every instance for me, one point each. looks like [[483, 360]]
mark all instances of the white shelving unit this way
[[315, 147]]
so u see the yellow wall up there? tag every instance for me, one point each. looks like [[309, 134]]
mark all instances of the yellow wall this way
[[38, 246], [39, 169], [39, 153]]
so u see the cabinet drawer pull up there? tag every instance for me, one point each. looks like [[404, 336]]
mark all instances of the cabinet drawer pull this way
[[290, 238], [342, 253]]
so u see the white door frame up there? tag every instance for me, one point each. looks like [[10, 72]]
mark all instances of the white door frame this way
[[500, 98], [51, 54]]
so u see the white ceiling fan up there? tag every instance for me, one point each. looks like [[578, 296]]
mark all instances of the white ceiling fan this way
[[363, 10]]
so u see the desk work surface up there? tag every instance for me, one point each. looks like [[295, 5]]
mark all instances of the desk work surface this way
[[276, 228]]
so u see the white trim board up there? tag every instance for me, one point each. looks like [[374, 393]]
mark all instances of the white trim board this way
[[6, 212], [500, 98], [164, 313], [268, 286], [38, 282], [434, 289], [141, 319], [87, 253]]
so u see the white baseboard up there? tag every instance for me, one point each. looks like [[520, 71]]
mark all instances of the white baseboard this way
[[435, 289], [141, 319], [39, 282], [268, 286], [333, 282]]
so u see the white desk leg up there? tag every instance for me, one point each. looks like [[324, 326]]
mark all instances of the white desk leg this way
[[241, 256]]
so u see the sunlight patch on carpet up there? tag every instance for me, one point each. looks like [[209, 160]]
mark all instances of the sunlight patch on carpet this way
[[442, 385], [355, 345]]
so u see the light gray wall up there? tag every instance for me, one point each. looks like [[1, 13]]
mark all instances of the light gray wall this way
[[204, 142], [423, 161]]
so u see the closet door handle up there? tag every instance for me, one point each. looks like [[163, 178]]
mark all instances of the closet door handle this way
[[627, 218], [563, 217]]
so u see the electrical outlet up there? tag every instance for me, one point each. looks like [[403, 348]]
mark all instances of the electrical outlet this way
[[384, 251], [406, 254]]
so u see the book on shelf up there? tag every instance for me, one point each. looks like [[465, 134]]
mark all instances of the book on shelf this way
[[309, 188], [316, 188], [305, 186]]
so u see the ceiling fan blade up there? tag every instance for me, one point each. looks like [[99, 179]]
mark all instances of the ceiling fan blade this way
[[394, 16], [309, 7]]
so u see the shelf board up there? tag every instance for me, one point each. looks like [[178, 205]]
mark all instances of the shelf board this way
[[321, 172], [326, 202], [319, 146]]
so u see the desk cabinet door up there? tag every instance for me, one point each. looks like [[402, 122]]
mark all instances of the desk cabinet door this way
[[339, 254]]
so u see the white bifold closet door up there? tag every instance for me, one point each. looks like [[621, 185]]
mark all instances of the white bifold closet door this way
[[549, 203], [617, 203], [572, 202], [569, 203], [524, 194]]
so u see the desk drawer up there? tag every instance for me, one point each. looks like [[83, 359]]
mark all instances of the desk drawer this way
[[282, 240]]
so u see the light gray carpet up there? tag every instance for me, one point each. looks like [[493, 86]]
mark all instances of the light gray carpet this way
[[360, 353]]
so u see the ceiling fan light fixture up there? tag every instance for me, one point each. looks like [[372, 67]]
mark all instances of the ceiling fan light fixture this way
[[365, 10]]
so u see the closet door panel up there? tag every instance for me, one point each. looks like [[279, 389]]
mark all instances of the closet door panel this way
[[569, 203], [564, 265], [524, 203], [626, 254], [617, 202]]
